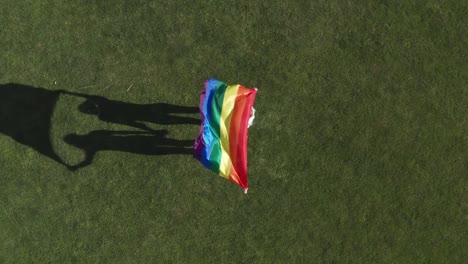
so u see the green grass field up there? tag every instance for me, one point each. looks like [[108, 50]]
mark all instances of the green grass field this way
[[358, 153]]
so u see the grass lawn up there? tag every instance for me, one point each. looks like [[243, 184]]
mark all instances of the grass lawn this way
[[358, 153]]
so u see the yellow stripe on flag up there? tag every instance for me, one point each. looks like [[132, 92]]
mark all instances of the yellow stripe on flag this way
[[226, 113]]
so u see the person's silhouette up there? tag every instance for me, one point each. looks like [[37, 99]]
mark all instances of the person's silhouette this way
[[135, 115], [140, 142], [26, 113], [25, 116]]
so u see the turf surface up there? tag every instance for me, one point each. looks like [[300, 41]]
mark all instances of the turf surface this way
[[357, 155]]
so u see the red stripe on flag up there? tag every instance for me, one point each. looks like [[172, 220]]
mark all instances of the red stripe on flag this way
[[238, 135]]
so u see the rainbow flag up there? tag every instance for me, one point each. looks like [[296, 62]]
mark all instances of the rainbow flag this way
[[221, 145]]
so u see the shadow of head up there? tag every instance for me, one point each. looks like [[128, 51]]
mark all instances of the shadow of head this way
[[72, 139], [89, 107]]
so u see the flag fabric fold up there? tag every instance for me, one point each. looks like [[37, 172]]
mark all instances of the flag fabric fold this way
[[221, 145]]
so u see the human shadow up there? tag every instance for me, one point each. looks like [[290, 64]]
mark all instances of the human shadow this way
[[25, 116], [135, 115], [147, 141], [140, 142]]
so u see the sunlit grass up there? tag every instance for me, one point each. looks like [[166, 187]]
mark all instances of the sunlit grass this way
[[358, 152]]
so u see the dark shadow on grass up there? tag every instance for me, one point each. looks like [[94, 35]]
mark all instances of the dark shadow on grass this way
[[146, 142], [134, 115], [26, 113], [25, 116], [139, 142]]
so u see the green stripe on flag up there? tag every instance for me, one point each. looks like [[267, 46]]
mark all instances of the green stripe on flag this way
[[215, 119]]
